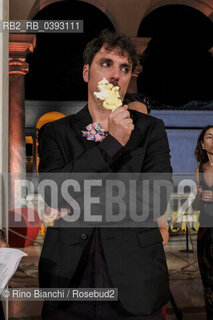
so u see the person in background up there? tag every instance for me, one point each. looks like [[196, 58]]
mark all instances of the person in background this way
[[204, 202], [138, 102]]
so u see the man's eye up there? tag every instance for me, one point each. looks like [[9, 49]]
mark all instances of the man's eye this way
[[125, 69], [105, 64]]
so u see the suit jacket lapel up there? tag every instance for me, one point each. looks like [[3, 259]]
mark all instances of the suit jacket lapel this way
[[79, 122]]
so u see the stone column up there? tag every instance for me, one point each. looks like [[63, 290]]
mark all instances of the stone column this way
[[4, 16], [19, 46], [4, 13]]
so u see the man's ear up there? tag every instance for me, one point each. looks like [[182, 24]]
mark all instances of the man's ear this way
[[86, 72]]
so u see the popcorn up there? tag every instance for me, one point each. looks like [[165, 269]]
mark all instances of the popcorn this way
[[108, 95]]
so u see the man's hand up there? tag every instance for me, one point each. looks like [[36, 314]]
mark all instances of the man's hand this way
[[3, 243], [162, 224], [120, 125], [52, 214]]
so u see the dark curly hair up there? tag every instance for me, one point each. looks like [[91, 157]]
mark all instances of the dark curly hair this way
[[200, 154], [110, 40]]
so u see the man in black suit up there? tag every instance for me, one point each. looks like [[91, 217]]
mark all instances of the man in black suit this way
[[130, 259]]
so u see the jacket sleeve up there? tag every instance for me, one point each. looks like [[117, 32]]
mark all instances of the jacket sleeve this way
[[157, 158], [157, 168]]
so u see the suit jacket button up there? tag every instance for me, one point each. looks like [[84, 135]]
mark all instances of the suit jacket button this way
[[84, 236]]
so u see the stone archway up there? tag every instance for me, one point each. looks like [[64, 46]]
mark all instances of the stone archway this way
[[206, 7], [59, 56], [41, 4], [45, 118], [49, 117]]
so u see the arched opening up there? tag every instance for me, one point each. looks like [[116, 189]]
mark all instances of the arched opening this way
[[49, 117], [41, 4], [204, 6], [56, 64], [32, 159], [177, 66]]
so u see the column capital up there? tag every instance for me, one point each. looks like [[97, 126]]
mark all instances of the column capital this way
[[18, 66], [140, 44], [19, 47], [21, 44]]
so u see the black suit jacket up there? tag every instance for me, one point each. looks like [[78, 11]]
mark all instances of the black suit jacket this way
[[135, 256]]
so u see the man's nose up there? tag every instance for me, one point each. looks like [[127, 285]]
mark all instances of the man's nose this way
[[115, 76]]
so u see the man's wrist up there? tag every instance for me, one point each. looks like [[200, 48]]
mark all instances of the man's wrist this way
[[111, 148]]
